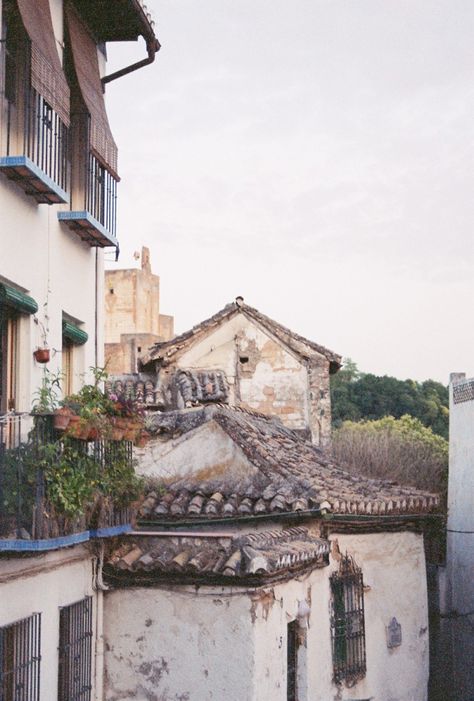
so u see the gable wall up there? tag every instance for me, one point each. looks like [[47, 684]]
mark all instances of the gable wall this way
[[204, 452], [272, 380]]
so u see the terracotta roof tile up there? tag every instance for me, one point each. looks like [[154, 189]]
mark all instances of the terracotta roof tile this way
[[303, 347], [291, 475], [263, 553]]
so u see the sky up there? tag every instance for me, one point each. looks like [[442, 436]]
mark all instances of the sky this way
[[314, 157]]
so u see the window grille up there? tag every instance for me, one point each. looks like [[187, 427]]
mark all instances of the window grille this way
[[75, 651], [20, 659], [347, 622], [292, 660]]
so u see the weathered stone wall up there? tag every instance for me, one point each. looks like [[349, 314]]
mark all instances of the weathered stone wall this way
[[132, 303], [166, 327], [124, 357], [265, 376]]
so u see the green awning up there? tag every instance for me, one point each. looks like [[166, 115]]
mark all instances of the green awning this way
[[14, 299], [74, 334]]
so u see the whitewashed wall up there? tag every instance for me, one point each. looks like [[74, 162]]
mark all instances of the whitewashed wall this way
[[460, 551], [43, 584], [37, 254], [203, 452], [179, 643]]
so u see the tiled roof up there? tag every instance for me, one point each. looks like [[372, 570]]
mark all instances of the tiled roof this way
[[164, 352], [237, 556], [201, 386], [289, 474]]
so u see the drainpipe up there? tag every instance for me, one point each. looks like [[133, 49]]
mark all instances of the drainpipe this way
[[152, 47], [99, 588], [99, 647], [96, 310]]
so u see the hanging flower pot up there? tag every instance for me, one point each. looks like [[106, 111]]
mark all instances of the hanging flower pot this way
[[41, 355]]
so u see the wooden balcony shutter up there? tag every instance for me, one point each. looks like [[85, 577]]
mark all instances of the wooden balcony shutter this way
[[86, 64], [47, 76]]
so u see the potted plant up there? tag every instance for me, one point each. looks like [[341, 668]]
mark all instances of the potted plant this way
[[46, 397], [42, 353]]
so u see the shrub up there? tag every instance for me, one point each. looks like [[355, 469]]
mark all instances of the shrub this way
[[403, 450]]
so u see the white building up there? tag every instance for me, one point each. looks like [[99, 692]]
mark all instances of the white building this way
[[264, 572], [58, 176], [459, 610]]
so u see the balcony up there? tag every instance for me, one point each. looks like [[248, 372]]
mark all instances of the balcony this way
[[95, 222], [56, 491], [36, 149]]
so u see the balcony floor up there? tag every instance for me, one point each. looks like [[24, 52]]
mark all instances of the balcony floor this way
[[32, 180], [88, 228]]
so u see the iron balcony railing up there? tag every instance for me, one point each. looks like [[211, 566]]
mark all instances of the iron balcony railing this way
[[101, 194], [43, 137], [29, 446]]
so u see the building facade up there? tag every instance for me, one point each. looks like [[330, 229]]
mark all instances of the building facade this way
[[58, 190], [243, 358], [133, 321], [263, 571], [458, 608]]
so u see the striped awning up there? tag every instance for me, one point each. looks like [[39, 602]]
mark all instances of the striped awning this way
[[19, 301], [47, 76], [74, 334], [86, 64]]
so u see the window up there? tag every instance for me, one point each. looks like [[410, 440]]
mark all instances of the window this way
[[8, 359], [20, 660], [13, 304], [73, 336], [347, 622], [68, 367], [75, 651], [292, 661]]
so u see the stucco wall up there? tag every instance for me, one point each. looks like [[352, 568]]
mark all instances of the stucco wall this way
[[51, 264], [262, 374], [123, 357], [394, 573], [42, 255], [200, 644], [203, 452], [160, 646], [460, 550], [43, 584]]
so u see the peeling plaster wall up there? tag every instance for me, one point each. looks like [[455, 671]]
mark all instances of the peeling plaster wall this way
[[393, 566], [263, 375], [190, 644], [43, 584], [161, 646], [206, 451]]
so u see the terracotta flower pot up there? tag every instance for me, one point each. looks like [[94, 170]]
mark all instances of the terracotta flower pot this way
[[62, 418], [41, 355]]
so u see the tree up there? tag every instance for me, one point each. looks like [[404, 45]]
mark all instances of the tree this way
[[356, 396]]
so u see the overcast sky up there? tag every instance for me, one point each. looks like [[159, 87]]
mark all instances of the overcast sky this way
[[315, 157]]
